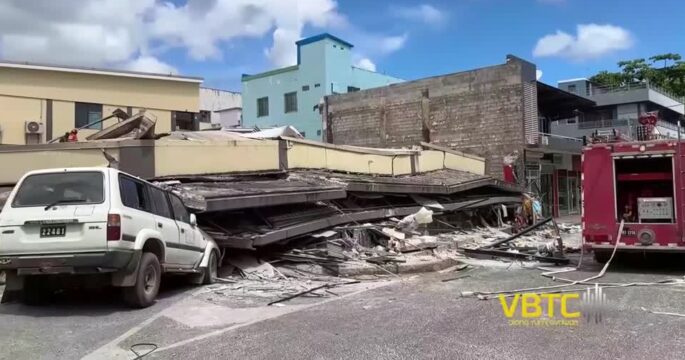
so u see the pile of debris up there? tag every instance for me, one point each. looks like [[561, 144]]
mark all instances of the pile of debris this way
[[250, 280], [329, 223], [388, 247], [250, 211], [531, 243]]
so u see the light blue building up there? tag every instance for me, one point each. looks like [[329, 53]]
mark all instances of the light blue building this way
[[288, 96]]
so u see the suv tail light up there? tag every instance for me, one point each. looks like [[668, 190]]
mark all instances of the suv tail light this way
[[113, 227]]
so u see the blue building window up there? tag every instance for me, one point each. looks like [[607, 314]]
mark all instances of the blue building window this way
[[305, 88], [290, 100], [263, 107]]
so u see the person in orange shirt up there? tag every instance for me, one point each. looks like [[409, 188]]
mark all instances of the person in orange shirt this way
[[73, 136]]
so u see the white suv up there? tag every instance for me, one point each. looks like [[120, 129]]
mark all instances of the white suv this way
[[100, 221]]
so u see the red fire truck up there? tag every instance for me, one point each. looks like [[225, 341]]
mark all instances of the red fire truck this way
[[639, 182]]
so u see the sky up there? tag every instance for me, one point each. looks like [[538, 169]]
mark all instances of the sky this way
[[221, 39]]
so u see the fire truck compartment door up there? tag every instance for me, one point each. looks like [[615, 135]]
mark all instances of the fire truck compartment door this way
[[598, 192]]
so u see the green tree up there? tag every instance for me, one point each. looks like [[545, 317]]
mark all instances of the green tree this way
[[606, 78], [665, 70]]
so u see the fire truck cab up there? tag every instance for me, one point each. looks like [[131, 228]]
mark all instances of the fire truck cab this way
[[639, 182]]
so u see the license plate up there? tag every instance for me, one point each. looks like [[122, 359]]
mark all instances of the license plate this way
[[53, 231]]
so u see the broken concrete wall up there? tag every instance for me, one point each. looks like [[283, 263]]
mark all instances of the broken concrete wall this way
[[436, 158], [205, 157], [480, 112], [305, 154], [17, 160], [198, 154]]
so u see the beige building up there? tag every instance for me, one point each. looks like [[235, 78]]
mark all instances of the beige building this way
[[40, 102]]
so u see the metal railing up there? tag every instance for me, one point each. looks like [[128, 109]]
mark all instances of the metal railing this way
[[598, 90], [608, 123], [639, 133], [567, 138], [646, 133], [560, 142], [668, 125]]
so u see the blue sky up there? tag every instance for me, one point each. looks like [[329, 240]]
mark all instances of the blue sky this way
[[221, 39], [478, 33]]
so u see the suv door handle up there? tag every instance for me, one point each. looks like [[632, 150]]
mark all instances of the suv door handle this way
[[159, 225], [183, 231]]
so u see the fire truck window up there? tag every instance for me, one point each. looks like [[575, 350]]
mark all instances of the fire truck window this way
[[644, 190]]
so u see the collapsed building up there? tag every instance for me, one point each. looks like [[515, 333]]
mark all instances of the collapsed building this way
[[220, 171], [273, 193], [501, 113]]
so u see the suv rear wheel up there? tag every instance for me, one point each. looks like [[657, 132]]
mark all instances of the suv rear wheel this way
[[148, 279]]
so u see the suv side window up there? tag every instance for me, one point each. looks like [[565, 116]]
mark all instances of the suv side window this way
[[160, 205], [133, 194], [180, 211]]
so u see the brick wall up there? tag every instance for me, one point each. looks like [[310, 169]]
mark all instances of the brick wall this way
[[479, 112]]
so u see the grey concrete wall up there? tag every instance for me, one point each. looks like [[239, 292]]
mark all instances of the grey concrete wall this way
[[621, 97], [478, 112]]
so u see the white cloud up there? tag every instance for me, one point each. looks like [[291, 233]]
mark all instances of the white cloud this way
[[423, 13], [283, 52], [368, 46], [73, 32], [150, 64], [366, 64], [133, 33], [202, 26], [391, 44], [590, 42], [538, 74]]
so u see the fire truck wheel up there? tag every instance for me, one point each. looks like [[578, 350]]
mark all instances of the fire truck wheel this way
[[602, 256]]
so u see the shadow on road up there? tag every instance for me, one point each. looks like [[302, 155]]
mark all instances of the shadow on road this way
[[639, 263], [80, 301]]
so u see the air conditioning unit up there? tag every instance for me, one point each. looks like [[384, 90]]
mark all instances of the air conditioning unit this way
[[34, 127]]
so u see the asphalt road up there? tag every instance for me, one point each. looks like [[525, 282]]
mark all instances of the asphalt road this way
[[415, 317]]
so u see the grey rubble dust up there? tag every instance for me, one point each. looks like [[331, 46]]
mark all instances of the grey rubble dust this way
[[259, 282]]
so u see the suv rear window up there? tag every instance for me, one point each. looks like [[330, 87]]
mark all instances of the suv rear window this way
[[180, 211], [133, 194], [159, 202], [44, 189]]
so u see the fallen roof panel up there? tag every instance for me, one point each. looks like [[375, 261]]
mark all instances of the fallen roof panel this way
[[272, 199], [444, 181], [343, 218], [232, 195]]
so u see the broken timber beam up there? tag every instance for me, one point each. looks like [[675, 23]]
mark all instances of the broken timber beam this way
[[515, 236], [515, 255], [324, 286]]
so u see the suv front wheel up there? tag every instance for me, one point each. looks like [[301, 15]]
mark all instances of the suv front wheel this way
[[148, 278], [211, 273]]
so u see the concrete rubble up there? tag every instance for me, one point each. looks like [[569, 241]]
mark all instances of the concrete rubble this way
[[368, 251]]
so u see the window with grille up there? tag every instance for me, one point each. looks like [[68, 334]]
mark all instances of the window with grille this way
[[263, 107], [290, 100]]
